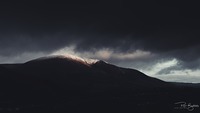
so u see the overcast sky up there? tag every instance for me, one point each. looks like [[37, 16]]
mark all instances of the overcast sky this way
[[160, 39]]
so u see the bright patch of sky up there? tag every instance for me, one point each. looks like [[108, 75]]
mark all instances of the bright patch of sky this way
[[154, 69]]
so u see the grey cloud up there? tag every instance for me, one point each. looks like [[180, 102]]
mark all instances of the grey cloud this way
[[15, 44], [21, 58]]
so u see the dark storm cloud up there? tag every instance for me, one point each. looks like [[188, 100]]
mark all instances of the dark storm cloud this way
[[167, 29]]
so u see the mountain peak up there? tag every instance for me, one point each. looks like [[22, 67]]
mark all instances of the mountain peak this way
[[71, 58], [100, 62]]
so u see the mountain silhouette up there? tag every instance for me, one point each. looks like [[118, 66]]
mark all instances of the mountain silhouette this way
[[64, 84]]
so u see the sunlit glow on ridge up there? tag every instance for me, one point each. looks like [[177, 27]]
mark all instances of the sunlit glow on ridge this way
[[69, 53]]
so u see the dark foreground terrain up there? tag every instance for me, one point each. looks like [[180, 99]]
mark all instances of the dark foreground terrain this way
[[65, 85]]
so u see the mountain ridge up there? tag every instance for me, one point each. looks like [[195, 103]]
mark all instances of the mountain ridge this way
[[62, 84]]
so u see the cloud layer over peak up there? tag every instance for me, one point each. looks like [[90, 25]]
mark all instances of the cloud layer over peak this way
[[139, 35]]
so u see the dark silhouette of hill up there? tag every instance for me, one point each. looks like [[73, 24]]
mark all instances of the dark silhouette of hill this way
[[63, 84]]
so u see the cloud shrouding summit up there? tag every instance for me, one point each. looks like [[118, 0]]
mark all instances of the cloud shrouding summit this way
[[143, 35]]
